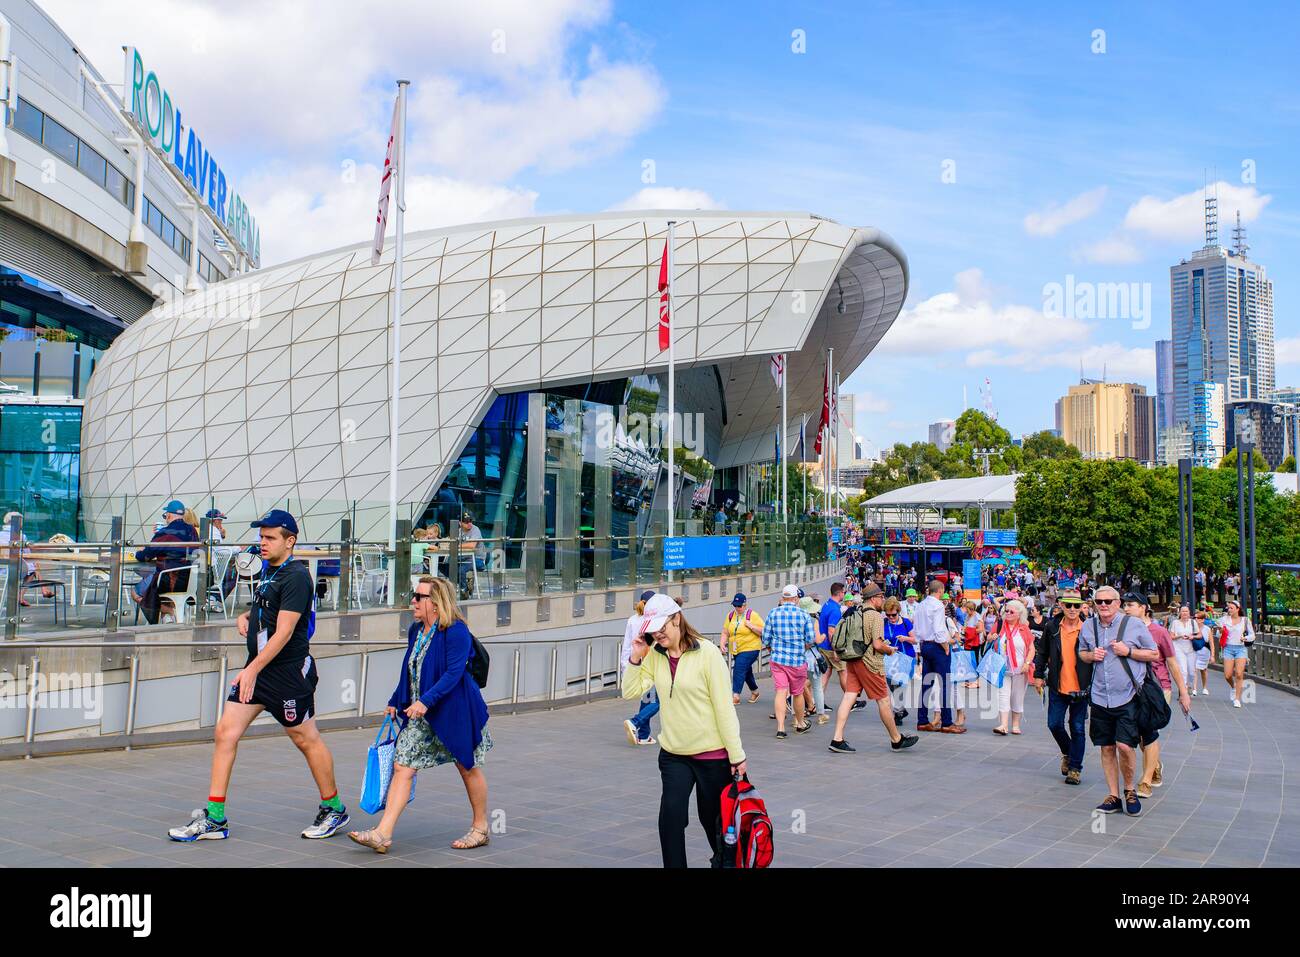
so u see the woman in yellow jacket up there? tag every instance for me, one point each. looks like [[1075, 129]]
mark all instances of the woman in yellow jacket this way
[[699, 736], [744, 629]]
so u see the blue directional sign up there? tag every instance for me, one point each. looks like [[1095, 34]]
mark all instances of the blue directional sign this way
[[701, 551], [1000, 536]]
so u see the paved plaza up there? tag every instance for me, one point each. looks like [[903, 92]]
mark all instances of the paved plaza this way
[[566, 790]]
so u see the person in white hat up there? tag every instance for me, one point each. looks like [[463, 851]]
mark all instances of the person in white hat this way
[[699, 735]]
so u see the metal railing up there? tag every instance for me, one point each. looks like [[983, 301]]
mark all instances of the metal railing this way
[[129, 738], [1275, 656], [354, 574]]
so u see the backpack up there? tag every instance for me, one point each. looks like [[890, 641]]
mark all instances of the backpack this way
[[850, 641], [478, 663], [743, 809]]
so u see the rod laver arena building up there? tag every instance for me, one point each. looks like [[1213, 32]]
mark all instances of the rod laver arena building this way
[[271, 388]]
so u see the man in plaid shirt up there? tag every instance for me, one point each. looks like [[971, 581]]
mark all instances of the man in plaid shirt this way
[[789, 632]]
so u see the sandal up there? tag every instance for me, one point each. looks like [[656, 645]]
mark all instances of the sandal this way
[[373, 839], [473, 838], [999, 731], [753, 697]]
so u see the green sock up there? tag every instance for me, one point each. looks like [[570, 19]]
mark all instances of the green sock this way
[[216, 809], [334, 804]]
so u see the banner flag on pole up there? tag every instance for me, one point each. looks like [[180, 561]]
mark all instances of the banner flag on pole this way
[[778, 369], [385, 187], [665, 320], [825, 421]]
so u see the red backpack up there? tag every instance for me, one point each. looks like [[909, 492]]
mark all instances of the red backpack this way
[[744, 811]]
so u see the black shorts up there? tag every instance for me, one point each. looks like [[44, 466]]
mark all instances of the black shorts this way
[[1109, 726], [287, 691]]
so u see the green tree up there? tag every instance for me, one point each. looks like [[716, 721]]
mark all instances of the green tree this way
[[1288, 465], [1229, 461], [1045, 445]]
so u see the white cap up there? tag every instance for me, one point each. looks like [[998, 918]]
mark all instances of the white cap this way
[[657, 611], [790, 591]]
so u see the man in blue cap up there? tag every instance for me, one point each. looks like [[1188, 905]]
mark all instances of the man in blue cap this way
[[280, 677], [170, 562]]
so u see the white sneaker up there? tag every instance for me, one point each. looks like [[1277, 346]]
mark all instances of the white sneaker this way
[[1206, 692], [630, 728], [1236, 703], [649, 740], [1195, 693]]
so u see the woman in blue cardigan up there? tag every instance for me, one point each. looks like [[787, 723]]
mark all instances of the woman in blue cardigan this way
[[445, 717]]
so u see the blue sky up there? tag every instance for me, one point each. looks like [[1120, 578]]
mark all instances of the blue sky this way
[[1068, 163]]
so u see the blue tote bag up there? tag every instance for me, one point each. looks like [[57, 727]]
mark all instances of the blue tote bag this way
[[379, 770], [993, 667], [899, 668], [961, 667]]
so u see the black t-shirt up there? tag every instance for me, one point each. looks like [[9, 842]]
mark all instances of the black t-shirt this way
[[286, 588]]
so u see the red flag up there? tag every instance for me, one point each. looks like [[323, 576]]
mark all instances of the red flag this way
[[825, 422], [665, 320], [381, 218]]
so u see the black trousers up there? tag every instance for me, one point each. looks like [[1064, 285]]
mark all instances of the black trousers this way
[[680, 774]]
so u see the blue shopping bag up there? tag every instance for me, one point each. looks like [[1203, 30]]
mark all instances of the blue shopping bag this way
[[993, 667], [961, 667], [379, 770], [899, 668]]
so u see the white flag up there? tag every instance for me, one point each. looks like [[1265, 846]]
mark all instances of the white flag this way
[[778, 369], [385, 187]]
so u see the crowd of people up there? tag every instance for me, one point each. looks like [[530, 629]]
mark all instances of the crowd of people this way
[[1084, 647]]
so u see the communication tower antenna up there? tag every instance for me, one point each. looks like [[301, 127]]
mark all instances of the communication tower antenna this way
[[987, 391], [1239, 244]]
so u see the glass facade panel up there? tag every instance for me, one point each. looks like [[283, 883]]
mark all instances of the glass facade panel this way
[[92, 164], [40, 466], [28, 120], [57, 359], [59, 140]]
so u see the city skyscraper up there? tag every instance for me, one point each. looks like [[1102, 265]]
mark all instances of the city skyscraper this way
[[1165, 384], [1108, 420], [941, 434], [1221, 318]]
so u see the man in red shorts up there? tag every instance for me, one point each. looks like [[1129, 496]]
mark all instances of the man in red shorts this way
[[864, 670]]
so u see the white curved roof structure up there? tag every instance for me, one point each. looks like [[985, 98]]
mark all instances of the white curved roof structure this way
[[987, 491], [272, 388]]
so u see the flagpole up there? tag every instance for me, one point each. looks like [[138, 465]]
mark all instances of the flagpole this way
[[836, 406], [672, 381], [803, 455], [785, 501], [394, 419], [826, 446]]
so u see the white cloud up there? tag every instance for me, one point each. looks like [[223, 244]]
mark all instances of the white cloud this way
[[1183, 217], [323, 70], [1119, 363], [1286, 352], [497, 86], [967, 319], [548, 120], [315, 209], [1116, 250], [1054, 218], [668, 197]]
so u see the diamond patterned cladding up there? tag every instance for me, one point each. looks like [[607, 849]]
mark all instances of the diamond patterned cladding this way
[[197, 401]]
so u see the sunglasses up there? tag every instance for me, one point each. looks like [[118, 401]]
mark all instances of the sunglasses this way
[[1105, 601], [420, 596]]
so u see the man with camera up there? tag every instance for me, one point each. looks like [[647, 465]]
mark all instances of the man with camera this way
[[1120, 649], [1068, 680]]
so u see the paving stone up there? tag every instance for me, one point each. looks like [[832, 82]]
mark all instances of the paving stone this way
[[567, 791]]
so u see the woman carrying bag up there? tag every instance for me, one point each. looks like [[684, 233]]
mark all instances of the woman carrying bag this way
[[1236, 632], [1017, 645], [442, 711], [699, 736]]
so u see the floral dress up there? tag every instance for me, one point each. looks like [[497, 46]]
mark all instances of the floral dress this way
[[417, 746]]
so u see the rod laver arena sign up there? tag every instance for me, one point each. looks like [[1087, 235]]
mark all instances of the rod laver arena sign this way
[[159, 118]]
